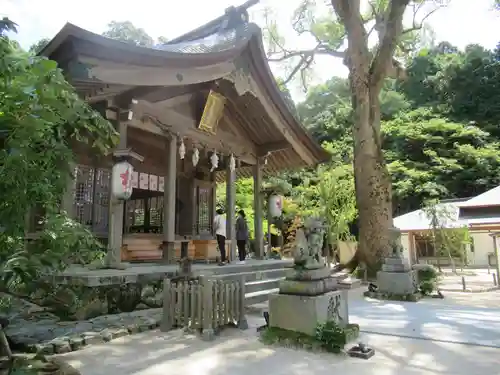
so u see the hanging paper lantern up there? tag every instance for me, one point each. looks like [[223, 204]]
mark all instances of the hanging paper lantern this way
[[275, 205], [214, 159], [196, 157], [232, 163], [121, 185]]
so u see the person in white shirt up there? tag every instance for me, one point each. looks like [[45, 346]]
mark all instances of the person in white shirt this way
[[220, 234]]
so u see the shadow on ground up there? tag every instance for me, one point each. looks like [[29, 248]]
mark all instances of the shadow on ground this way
[[237, 352], [438, 322]]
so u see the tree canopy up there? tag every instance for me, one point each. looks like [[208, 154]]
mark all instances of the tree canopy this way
[[127, 32], [438, 140], [41, 116]]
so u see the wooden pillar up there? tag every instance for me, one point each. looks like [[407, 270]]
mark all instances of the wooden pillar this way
[[168, 255], [257, 206], [116, 210], [411, 248], [230, 208], [495, 249]]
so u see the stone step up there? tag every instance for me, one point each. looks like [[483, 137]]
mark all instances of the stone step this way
[[260, 285], [255, 275], [259, 297], [350, 283], [395, 261], [250, 266]]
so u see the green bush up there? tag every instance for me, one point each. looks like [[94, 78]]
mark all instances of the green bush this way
[[331, 336], [328, 337], [427, 278]]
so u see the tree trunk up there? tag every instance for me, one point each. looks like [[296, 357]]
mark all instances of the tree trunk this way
[[372, 180]]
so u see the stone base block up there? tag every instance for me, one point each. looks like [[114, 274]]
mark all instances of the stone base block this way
[[400, 283], [303, 313], [307, 275], [395, 267], [396, 261], [413, 297], [307, 288]]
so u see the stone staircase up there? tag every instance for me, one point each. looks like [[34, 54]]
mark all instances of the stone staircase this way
[[259, 283], [263, 279]]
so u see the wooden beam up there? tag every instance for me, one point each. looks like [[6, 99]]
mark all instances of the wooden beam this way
[[279, 122], [155, 93], [266, 148], [172, 121]]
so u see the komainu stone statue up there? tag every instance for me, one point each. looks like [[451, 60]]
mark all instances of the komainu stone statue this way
[[308, 295], [396, 280], [395, 242], [308, 245]]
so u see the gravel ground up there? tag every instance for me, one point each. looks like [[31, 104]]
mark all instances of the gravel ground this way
[[240, 352]]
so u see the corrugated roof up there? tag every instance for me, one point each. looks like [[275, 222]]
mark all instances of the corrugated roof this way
[[419, 220], [488, 198]]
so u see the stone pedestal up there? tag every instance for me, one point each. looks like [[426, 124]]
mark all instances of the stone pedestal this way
[[309, 295], [304, 313], [396, 281], [308, 282], [400, 283]]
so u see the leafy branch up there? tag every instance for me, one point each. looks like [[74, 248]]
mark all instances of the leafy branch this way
[[330, 33], [41, 117]]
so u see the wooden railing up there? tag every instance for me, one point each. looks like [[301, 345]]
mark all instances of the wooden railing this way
[[203, 304]]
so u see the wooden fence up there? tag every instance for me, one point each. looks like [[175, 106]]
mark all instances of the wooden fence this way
[[204, 304]]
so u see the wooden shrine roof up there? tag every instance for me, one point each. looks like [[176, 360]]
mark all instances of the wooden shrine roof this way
[[101, 69]]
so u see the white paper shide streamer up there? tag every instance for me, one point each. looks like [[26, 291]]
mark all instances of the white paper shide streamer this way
[[232, 163], [214, 159], [196, 157], [182, 150]]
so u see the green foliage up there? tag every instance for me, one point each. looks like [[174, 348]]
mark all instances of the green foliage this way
[[427, 279], [331, 336], [432, 157], [438, 140], [40, 117], [448, 239], [337, 202], [126, 32], [38, 46], [328, 337]]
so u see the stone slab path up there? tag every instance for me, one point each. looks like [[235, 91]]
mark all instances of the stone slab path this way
[[240, 352], [444, 321]]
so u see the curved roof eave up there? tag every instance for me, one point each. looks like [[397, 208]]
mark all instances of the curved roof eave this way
[[251, 41], [268, 81], [70, 30]]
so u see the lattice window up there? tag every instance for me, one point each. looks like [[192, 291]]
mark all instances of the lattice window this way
[[424, 246], [101, 200], [84, 194], [136, 214], [204, 219], [156, 213], [91, 197]]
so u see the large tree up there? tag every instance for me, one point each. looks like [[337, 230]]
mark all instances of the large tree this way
[[347, 32], [128, 33]]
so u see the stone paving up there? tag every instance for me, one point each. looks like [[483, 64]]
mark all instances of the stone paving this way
[[45, 333], [240, 352]]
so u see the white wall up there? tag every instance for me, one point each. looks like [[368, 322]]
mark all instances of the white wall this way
[[405, 242], [483, 244]]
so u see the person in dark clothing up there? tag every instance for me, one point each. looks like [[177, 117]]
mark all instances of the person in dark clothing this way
[[241, 235]]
